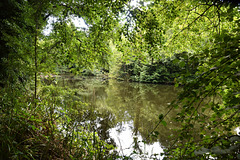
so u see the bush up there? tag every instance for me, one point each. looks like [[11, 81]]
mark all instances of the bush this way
[[49, 130], [164, 71]]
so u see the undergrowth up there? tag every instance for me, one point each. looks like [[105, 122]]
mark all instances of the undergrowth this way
[[47, 128]]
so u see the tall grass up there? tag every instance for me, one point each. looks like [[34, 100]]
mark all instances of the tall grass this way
[[54, 129]]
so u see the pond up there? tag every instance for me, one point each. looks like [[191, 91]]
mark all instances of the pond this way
[[125, 113]]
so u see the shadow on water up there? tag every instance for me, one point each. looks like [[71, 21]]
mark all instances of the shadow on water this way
[[125, 113]]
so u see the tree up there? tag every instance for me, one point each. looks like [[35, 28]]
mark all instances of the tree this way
[[186, 32], [210, 102], [28, 121], [206, 32]]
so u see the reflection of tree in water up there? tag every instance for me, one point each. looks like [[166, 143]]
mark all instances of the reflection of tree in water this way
[[117, 102], [143, 103], [136, 128], [101, 123], [92, 91]]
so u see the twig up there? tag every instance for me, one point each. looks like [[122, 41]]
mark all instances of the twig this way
[[160, 121], [191, 23]]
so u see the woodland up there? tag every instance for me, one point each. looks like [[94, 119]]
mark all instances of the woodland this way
[[192, 44]]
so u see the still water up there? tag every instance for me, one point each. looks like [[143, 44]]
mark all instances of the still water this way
[[125, 113]]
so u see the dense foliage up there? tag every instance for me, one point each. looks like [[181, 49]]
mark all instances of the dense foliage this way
[[194, 44], [38, 120]]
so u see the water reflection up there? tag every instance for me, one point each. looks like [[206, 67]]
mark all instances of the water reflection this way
[[125, 113]]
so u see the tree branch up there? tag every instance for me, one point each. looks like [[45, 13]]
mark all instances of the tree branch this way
[[190, 24]]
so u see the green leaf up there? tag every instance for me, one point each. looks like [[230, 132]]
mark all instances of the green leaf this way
[[164, 123], [160, 117], [156, 133], [182, 64], [176, 85]]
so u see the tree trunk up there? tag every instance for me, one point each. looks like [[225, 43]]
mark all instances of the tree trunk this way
[[36, 67]]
